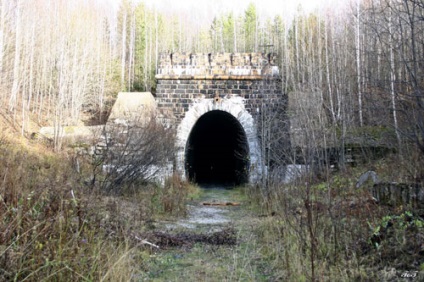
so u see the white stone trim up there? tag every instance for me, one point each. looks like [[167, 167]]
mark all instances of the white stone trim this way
[[233, 105]]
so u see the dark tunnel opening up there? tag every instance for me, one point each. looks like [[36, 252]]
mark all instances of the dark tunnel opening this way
[[217, 151]]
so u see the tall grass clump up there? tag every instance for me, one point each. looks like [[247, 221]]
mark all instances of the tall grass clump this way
[[328, 230], [57, 224], [175, 194], [49, 228]]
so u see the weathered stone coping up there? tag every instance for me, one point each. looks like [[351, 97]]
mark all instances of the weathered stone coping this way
[[213, 77]]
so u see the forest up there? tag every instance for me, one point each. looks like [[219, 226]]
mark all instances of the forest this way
[[354, 78], [364, 62]]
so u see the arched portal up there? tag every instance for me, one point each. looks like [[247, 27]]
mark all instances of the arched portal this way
[[232, 136], [217, 151]]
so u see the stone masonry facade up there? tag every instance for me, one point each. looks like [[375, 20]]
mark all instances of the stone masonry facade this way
[[245, 85], [185, 78]]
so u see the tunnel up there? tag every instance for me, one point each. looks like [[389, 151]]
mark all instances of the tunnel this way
[[217, 151]]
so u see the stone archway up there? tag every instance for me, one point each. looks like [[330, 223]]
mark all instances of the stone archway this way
[[233, 106], [217, 152]]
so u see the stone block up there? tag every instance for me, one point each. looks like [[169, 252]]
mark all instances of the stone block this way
[[395, 194]]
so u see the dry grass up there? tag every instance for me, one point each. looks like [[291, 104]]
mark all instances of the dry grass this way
[[56, 228], [331, 231], [174, 194], [47, 228]]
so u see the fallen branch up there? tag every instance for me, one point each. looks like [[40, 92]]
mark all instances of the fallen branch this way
[[142, 241], [221, 204], [164, 240]]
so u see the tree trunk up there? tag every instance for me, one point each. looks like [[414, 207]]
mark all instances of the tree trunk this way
[[358, 63], [16, 64], [393, 75], [124, 49]]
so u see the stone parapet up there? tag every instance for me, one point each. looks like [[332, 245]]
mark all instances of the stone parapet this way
[[217, 66], [208, 77]]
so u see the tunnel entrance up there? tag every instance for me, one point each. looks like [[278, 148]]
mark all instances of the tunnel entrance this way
[[217, 151]]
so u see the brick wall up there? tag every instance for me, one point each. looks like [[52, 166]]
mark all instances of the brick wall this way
[[174, 96], [183, 78]]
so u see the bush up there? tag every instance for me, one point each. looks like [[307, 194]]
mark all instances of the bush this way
[[135, 151]]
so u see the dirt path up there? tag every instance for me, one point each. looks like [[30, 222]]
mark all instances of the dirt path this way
[[214, 210], [215, 242]]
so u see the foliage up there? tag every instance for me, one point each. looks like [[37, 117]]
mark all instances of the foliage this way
[[396, 228], [250, 27]]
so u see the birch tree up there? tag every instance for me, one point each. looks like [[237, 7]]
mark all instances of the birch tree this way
[[16, 62], [358, 60], [393, 74]]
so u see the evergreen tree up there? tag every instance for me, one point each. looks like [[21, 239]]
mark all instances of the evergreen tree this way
[[250, 27]]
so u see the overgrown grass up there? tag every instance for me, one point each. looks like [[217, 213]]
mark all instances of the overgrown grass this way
[[174, 194], [54, 227], [332, 231]]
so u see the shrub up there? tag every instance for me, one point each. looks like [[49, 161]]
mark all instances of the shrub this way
[[136, 151]]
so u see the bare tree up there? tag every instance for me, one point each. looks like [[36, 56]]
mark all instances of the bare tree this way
[[358, 61], [136, 151]]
